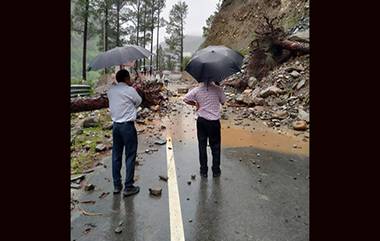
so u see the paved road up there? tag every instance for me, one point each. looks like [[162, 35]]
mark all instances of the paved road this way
[[269, 203]]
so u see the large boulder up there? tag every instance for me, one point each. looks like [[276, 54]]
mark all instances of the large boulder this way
[[271, 90], [90, 122], [280, 114], [300, 125], [303, 115], [252, 81], [258, 101]]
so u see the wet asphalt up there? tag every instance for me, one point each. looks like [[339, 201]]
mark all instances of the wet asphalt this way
[[262, 194]]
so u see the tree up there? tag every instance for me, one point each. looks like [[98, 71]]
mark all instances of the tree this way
[[175, 29], [153, 9], [81, 13], [210, 20], [160, 23], [102, 10]]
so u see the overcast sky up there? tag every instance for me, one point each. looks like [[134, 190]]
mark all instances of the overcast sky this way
[[198, 12]]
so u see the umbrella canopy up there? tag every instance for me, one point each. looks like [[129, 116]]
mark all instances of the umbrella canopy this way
[[214, 63], [119, 56]]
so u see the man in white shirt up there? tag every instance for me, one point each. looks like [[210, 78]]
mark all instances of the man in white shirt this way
[[123, 101]]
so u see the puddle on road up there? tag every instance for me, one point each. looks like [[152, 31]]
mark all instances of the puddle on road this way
[[264, 139], [182, 127]]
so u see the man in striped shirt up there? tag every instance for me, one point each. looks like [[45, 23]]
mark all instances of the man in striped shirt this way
[[207, 98]]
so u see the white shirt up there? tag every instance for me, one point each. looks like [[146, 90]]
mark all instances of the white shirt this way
[[123, 101]]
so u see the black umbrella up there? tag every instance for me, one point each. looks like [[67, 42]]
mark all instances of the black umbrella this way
[[119, 56], [214, 63]]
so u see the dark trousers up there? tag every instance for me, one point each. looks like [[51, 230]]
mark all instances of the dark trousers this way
[[209, 129], [124, 136]]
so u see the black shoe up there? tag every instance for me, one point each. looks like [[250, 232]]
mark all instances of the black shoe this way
[[131, 191], [204, 174], [117, 190], [216, 174]]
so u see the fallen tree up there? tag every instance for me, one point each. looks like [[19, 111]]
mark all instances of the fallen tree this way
[[150, 92], [89, 103], [271, 47]]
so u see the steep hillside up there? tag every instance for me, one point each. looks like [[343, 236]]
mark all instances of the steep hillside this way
[[236, 21]]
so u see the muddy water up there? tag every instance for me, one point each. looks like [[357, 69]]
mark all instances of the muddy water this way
[[182, 127], [264, 139]]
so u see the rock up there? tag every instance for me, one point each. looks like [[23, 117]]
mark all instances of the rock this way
[[118, 230], [155, 108], [190, 220], [188, 182], [193, 177], [239, 98], [89, 187], [160, 142], [139, 121], [163, 127], [164, 178], [182, 90], [252, 81], [300, 84], [247, 91], [100, 148], [90, 122], [295, 74], [258, 101], [272, 90], [299, 125], [303, 115], [77, 177], [224, 116], [155, 191], [280, 114], [75, 186], [258, 109], [108, 126]]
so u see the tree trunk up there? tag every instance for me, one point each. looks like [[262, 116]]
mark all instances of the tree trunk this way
[[158, 33], [151, 94], [144, 26], [118, 23], [293, 46], [85, 41], [151, 41], [181, 42], [106, 33], [87, 104], [138, 30]]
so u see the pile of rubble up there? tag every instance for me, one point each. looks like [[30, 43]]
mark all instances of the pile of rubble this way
[[281, 98]]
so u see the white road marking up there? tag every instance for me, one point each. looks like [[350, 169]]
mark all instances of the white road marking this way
[[175, 215]]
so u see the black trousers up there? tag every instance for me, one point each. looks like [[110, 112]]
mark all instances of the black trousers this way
[[209, 129]]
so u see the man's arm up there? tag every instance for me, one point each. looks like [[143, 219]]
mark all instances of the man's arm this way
[[135, 97]]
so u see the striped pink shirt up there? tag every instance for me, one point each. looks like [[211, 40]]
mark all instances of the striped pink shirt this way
[[209, 100]]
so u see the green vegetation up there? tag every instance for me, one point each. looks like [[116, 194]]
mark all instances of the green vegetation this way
[[83, 154], [76, 59]]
